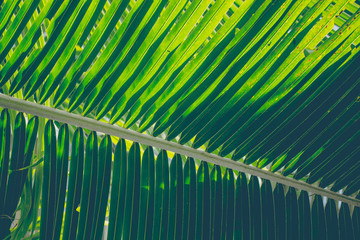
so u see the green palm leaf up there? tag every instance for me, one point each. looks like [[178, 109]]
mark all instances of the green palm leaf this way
[[204, 119]]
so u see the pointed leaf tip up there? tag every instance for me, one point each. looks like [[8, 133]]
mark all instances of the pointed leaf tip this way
[[307, 52]]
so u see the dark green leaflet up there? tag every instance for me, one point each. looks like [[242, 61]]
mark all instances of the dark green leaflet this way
[[62, 52], [215, 202], [267, 213], [147, 189], [304, 216], [74, 185], [285, 121], [203, 202], [4, 154], [242, 213], [88, 193], [132, 189], [118, 188], [345, 224], [38, 180], [62, 160], [176, 198], [103, 186], [189, 199], [161, 195], [228, 201], [255, 208], [318, 225], [225, 190], [48, 202], [332, 222], [356, 221], [280, 219], [353, 186], [136, 158], [292, 214]]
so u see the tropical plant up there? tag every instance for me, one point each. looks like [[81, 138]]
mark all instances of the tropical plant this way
[[142, 119]]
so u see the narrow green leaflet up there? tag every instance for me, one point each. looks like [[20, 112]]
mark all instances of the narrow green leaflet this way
[[332, 222], [118, 191], [161, 195], [145, 30], [203, 202], [318, 224], [345, 224], [4, 154], [103, 186], [228, 207], [267, 213], [147, 197], [304, 216], [189, 198], [356, 221], [38, 180], [242, 212], [280, 209], [215, 202], [62, 160], [292, 214], [333, 128], [74, 185], [89, 188], [49, 194], [132, 193], [176, 198], [255, 208]]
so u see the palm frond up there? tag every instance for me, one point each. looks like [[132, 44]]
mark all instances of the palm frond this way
[[266, 88]]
